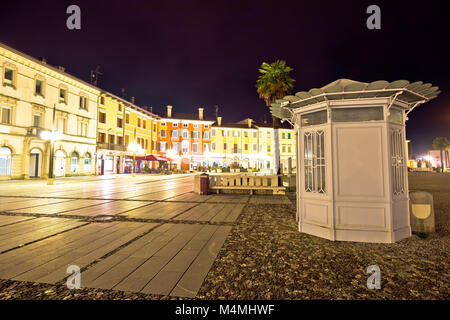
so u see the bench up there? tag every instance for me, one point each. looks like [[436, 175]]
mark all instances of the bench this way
[[245, 182]]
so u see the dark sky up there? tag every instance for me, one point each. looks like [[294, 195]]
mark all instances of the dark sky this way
[[206, 53]]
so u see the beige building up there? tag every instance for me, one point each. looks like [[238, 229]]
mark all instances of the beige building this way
[[34, 97]]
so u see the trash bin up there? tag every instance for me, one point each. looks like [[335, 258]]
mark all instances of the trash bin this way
[[421, 212], [204, 184]]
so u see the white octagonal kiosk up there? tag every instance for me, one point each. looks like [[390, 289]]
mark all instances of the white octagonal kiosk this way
[[352, 182]]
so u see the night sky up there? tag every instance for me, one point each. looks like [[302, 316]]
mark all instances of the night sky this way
[[204, 53]]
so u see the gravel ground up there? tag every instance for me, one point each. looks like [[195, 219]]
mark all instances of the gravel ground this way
[[265, 257]]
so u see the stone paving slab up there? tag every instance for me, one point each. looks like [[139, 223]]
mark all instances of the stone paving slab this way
[[30, 230], [157, 262], [8, 220], [212, 212], [60, 207], [47, 260], [28, 203], [108, 208], [159, 210]]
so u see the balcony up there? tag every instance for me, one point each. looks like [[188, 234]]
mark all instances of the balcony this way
[[34, 131], [111, 146]]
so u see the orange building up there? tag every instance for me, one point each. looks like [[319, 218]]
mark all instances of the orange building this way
[[184, 138]]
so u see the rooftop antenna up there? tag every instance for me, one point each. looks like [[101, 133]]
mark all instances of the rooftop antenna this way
[[94, 76], [122, 93]]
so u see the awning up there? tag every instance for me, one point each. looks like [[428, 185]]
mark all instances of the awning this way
[[150, 157]]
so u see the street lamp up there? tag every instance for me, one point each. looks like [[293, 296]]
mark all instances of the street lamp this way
[[51, 136], [135, 148]]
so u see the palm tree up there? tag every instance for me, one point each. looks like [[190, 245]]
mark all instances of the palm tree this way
[[274, 83], [441, 144]]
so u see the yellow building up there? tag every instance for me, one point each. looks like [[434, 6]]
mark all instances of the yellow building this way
[[140, 129], [110, 134], [234, 143], [287, 143]]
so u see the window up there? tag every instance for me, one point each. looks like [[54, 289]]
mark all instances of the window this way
[[185, 125], [83, 102], [205, 135], [283, 149], [154, 127], [268, 148], [245, 134], [195, 125], [235, 148], [163, 133], [119, 107], [225, 133], [39, 87], [314, 118], [185, 148], [289, 149], [395, 116], [162, 146], [6, 115], [62, 95], [185, 134], [283, 136], [101, 117], [127, 140], [213, 146], [195, 134], [163, 123], [314, 157], [206, 147], [397, 162], [139, 122], [127, 118], [206, 126], [61, 125], [101, 137], [195, 147], [225, 146], [246, 147], [213, 132], [144, 124], [37, 120], [254, 147], [357, 114], [289, 135], [254, 134], [175, 125], [119, 123], [112, 139], [5, 161], [74, 162], [102, 100], [235, 133], [83, 128], [9, 77], [120, 140], [174, 133], [87, 162]]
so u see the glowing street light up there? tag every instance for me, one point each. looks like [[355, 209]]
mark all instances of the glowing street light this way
[[51, 136], [134, 147]]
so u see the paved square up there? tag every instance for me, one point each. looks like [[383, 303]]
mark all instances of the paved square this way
[[161, 237]]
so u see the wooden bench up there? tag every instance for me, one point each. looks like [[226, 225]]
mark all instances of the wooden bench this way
[[245, 182]]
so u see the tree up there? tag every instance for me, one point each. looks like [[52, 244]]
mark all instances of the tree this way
[[441, 144], [274, 83]]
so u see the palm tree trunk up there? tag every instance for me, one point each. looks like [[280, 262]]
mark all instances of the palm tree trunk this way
[[442, 162]]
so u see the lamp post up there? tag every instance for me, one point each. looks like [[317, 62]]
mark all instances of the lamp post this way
[[51, 136], [134, 147]]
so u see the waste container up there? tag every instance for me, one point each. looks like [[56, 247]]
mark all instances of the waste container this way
[[204, 184], [421, 212]]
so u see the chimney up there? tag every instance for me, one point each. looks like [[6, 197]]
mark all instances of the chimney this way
[[200, 113], [132, 100], [150, 108], [249, 121], [61, 68], [169, 111], [219, 121], [43, 60]]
